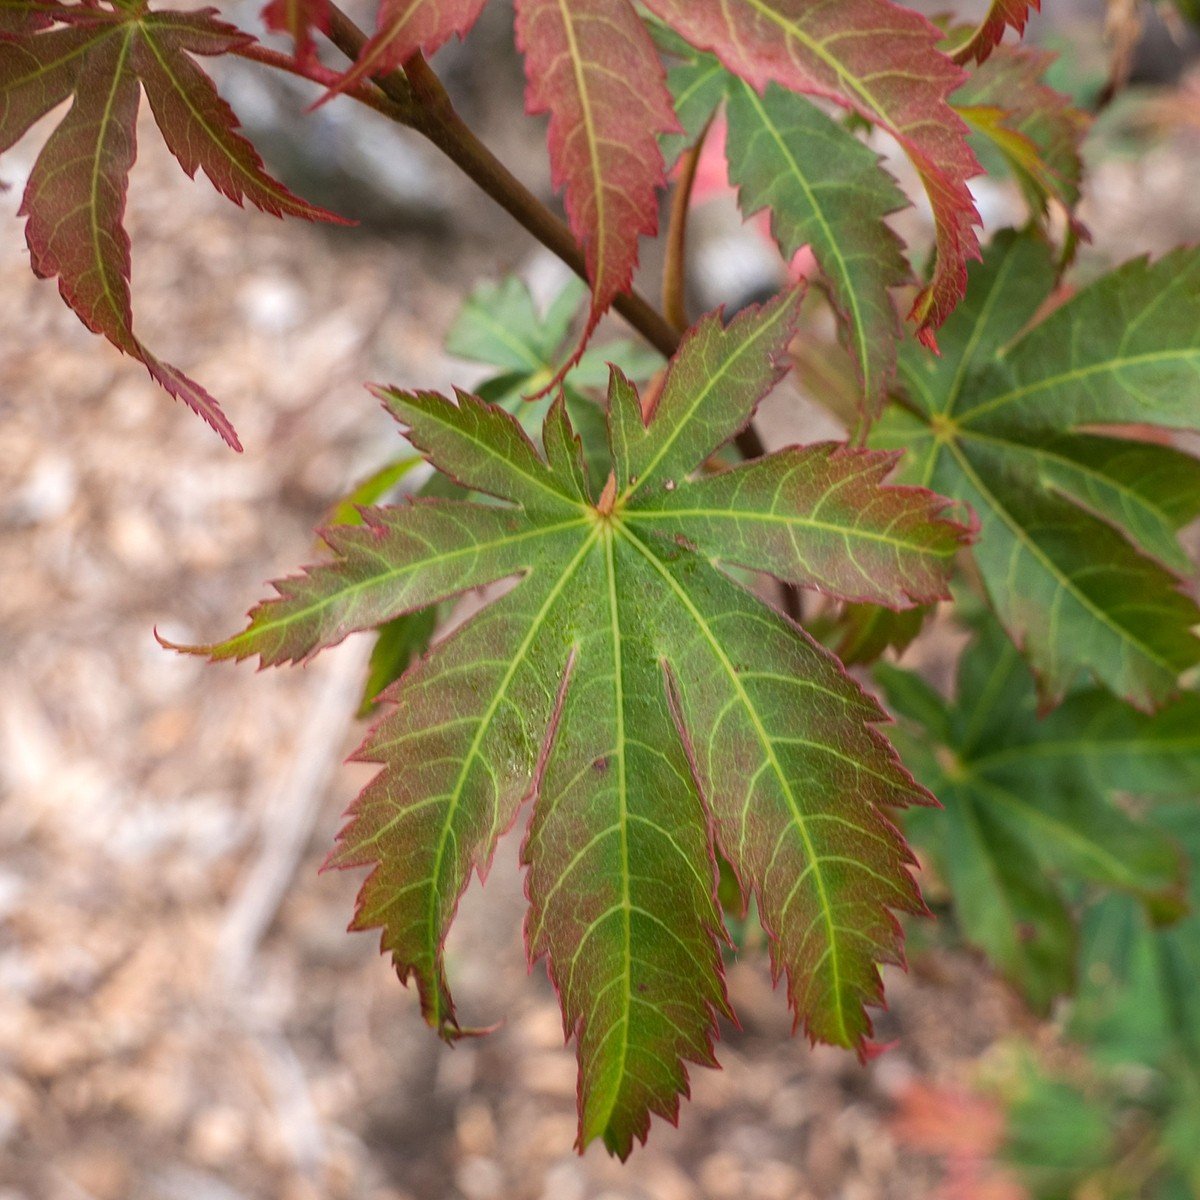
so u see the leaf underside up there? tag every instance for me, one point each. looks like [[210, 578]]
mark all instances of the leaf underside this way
[[404, 28], [592, 66], [299, 19], [655, 711], [1078, 546]]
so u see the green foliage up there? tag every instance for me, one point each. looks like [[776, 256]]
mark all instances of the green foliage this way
[[825, 190], [687, 751], [1032, 800], [1123, 1122], [1078, 546], [500, 327]]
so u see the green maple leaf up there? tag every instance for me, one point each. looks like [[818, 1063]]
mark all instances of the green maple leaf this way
[[653, 709], [1078, 546], [825, 190], [1029, 800], [1137, 1014], [881, 62], [501, 327], [861, 633], [698, 85], [1138, 1000]]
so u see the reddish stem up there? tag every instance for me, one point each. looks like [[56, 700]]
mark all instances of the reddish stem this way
[[675, 268], [416, 97], [317, 73]]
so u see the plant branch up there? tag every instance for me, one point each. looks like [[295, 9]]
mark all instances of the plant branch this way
[[675, 268], [427, 108], [369, 95], [417, 98], [350, 40]]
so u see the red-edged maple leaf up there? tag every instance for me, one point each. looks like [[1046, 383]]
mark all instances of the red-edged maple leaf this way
[[404, 27], [75, 199], [298, 19], [882, 62], [593, 67], [1002, 15], [647, 704]]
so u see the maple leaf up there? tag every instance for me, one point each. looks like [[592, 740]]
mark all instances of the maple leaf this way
[[848, 53], [298, 19], [1137, 998], [698, 85], [863, 632], [825, 190], [1078, 549], [646, 702], [25, 16], [1026, 799], [500, 325], [594, 68], [1001, 15], [404, 27], [75, 198], [1138, 1006], [1036, 129], [1062, 1139]]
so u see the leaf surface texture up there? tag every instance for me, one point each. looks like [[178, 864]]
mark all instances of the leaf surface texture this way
[[1078, 546], [654, 710]]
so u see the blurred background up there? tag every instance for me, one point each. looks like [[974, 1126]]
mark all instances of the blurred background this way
[[182, 1016]]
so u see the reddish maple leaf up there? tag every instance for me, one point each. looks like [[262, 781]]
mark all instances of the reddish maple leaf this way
[[75, 199], [879, 60], [298, 18], [593, 67], [405, 27], [1002, 15], [966, 1131]]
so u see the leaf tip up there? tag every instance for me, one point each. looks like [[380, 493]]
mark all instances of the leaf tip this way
[[928, 338], [869, 1051]]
